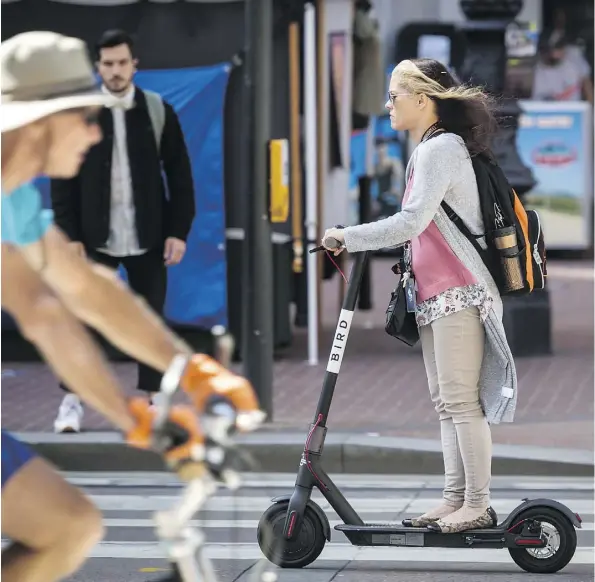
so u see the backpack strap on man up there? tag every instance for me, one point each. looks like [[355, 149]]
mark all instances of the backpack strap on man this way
[[156, 113]]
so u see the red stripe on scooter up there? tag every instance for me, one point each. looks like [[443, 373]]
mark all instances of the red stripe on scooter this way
[[291, 523]]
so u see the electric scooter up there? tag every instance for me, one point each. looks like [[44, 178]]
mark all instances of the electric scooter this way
[[539, 533]]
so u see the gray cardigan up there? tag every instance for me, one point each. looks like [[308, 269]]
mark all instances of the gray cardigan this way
[[443, 171]]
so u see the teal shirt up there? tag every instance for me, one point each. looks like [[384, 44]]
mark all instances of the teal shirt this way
[[24, 220]]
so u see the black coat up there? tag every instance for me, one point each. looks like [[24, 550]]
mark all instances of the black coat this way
[[82, 204]]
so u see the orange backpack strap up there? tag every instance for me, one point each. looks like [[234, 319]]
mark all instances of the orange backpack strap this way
[[521, 215]]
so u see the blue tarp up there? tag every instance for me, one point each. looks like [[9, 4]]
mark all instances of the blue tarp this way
[[197, 288]]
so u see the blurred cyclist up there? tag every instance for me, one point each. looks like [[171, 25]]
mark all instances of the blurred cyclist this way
[[49, 106]]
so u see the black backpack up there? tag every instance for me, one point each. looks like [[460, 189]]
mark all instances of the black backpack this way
[[501, 209]]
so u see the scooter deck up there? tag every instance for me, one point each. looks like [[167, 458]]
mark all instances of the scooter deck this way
[[396, 535], [398, 528]]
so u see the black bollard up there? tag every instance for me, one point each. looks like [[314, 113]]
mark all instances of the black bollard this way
[[257, 276], [365, 215]]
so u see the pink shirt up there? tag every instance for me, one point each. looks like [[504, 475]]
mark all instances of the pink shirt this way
[[435, 266]]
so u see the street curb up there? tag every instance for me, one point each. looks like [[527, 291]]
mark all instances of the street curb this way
[[280, 452]]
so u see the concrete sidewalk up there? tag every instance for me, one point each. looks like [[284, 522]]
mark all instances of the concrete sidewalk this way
[[381, 419]]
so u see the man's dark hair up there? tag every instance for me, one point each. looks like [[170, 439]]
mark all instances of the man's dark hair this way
[[112, 38]]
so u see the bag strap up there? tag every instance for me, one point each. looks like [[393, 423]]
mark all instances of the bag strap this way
[[462, 227], [157, 114]]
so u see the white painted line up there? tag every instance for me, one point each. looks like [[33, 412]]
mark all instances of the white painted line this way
[[343, 480], [333, 551], [258, 503], [228, 523]]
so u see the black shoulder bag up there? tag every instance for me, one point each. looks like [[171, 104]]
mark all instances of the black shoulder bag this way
[[400, 323]]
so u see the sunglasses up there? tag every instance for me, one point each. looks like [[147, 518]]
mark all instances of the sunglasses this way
[[392, 97]]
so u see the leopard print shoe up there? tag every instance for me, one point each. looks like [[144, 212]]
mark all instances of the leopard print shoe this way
[[451, 524], [420, 521]]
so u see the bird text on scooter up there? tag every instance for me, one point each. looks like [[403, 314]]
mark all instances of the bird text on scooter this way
[[339, 341]]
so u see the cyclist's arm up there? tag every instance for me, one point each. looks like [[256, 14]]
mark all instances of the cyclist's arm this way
[[98, 297], [62, 340]]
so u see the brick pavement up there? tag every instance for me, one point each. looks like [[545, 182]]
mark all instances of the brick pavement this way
[[382, 387]]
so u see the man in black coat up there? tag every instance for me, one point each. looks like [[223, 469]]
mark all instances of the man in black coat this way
[[116, 210]]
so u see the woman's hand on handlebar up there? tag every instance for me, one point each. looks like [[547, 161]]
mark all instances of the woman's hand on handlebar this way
[[337, 234]]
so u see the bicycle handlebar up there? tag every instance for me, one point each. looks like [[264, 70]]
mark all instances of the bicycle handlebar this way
[[202, 475]]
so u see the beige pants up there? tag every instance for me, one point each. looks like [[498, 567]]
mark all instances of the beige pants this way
[[453, 352]]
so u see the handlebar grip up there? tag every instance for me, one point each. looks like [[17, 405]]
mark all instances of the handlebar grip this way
[[331, 243], [191, 470]]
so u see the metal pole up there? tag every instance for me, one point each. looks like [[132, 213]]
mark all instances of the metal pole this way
[[310, 138], [257, 282], [365, 215]]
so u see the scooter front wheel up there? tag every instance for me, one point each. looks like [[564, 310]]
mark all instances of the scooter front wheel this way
[[561, 542], [298, 552]]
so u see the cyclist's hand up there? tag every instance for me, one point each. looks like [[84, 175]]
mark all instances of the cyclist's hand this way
[[178, 441], [205, 378]]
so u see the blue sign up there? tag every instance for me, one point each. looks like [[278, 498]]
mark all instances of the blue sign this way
[[554, 141], [388, 167]]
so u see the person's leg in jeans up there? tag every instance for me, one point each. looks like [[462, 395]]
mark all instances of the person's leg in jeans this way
[[70, 413], [454, 474], [459, 346], [147, 276]]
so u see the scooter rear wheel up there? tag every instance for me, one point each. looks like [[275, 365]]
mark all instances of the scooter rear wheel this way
[[294, 553], [561, 542]]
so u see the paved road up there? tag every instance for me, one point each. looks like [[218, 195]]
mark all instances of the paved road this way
[[131, 554]]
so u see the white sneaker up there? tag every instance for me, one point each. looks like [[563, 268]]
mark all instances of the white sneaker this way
[[70, 415]]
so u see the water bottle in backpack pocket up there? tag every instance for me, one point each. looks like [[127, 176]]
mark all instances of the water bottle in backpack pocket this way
[[515, 245]]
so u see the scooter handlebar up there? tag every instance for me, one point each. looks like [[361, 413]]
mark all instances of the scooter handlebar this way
[[331, 243]]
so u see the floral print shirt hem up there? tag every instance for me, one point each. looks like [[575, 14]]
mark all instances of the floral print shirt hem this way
[[454, 300]]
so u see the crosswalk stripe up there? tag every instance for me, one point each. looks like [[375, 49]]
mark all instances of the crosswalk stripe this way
[[130, 535], [227, 523], [333, 551], [412, 504], [342, 480]]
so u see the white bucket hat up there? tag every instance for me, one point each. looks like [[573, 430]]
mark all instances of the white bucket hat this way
[[44, 73]]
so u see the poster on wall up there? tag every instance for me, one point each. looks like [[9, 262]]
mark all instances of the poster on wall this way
[[554, 140], [521, 56], [389, 170], [388, 165]]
